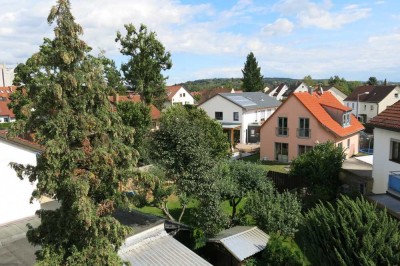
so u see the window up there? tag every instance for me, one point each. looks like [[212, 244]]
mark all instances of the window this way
[[396, 95], [282, 129], [372, 107], [281, 151], [304, 128], [303, 149], [395, 151], [352, 105], [348, 143], [340, 145], [184, 94], [219, 116], [346, 119], [6, 120], [365, 107], [235, 116]]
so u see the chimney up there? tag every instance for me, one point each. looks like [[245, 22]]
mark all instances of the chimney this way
[[320, 89]]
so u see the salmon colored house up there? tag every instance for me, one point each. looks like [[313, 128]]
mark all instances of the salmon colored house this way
[[305, 120]]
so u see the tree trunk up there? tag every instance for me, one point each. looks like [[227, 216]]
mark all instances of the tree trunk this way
[[234, 204], [164, 208], [182, 212]]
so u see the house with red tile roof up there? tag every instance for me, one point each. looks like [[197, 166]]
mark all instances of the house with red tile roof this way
[[386, 158], [178, 95], [368, 101], [6, 114], [135, 98], [305, 120]]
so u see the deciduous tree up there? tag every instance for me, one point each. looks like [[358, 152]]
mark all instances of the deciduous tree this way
[[147, 58], [252, 78], [87, 150]]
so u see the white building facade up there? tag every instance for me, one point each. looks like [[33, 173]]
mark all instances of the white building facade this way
[[15, 194]]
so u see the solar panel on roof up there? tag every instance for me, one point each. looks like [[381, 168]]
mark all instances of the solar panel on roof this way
[[241, 100]]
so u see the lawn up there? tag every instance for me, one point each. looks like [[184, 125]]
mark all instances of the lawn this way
[[268, 165]]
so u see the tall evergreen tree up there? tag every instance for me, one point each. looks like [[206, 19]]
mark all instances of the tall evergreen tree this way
[[252, 78], [87, 150], [147, 58]]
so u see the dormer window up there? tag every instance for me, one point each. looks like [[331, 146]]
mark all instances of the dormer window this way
[[346, 119]]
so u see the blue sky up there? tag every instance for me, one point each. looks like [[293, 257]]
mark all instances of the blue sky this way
[[211, 39]]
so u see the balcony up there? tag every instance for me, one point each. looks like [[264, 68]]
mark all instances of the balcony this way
[[394, 183], [282, 131], [304, 133]]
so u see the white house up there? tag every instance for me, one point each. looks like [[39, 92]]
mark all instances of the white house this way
[[278, 91], [386, 164], [6, 76], [368, 101], [241, 114], [15, 193], [178, 95]]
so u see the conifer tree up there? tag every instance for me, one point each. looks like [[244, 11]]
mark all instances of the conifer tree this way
[[252, 78], [87, 150]]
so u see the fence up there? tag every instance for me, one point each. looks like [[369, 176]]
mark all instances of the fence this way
[[284, 181]]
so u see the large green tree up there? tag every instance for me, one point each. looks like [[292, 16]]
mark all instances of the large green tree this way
[[372, 81], [112, 74], [188, 145], [321, 167], [351, 232], [87, 150], [252, 78], [147, 59]]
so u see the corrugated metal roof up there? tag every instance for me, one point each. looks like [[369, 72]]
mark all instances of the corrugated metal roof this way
[[242, 241], [156, 247]]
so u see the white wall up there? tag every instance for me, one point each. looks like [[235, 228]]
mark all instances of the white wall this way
[[182, 96], [15, 193], [390, 99], [382, 166]]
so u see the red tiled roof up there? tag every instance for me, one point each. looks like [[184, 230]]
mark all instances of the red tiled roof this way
[[172, 90], [209, 93], [388, 119], [327, 99], [314, 104], [21, 141], [5, 93], [154, 112]]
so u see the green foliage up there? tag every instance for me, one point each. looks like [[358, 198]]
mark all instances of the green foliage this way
[[137, 116], [351, 232], [236, 179], [252, 78], [274, 212], [309, 81], [112, 74], [276, 253], [340, 84], [372, 81], [5, 125], [188, 145], [147, 58], [321, 166], [88, 151]]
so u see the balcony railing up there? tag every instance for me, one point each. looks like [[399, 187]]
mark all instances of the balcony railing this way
[[282, 131], [394, 181], [304, 133]]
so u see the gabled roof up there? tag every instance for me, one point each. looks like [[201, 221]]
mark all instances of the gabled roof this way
[[251, 100], [208, 94], [172, 90], [314, 104], [242, 241], [388, 119], [135, 98], [278, 89], [375, 93]]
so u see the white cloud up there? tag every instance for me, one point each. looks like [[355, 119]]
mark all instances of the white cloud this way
[[280, 26], [312, 14]]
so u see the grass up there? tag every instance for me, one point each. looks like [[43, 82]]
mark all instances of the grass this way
[[268, 165]]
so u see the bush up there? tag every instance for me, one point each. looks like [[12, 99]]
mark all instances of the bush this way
[[276, 253], [351, 232]]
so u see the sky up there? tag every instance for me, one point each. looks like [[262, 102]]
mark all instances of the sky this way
[[211, 39]]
